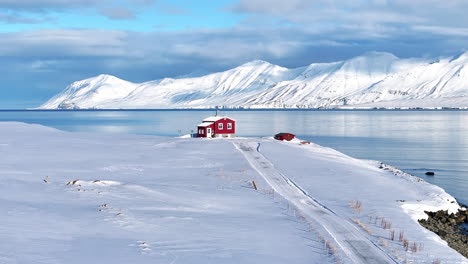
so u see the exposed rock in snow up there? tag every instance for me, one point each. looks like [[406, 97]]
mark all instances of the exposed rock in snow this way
[[375, 79]]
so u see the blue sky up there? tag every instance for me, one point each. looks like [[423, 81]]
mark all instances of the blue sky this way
[[47, 44]]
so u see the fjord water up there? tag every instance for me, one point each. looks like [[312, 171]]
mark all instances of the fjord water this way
[[415, 141]]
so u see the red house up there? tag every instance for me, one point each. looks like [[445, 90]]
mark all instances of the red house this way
[[216, 126]]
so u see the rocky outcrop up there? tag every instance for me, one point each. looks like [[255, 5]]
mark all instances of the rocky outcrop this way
[[449, 228]]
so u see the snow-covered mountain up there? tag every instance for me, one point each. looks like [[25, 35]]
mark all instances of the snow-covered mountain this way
[[375, 79]]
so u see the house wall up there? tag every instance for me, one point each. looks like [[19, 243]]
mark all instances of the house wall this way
[[204, 130], [225, 129], [201, 131]]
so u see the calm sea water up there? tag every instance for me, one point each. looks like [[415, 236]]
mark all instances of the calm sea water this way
[[414, 141]]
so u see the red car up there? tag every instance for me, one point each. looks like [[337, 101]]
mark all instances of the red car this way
[[284, 136]]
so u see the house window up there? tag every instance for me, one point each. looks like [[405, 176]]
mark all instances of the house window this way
[[229, 126], [220, 126], [200, 131]]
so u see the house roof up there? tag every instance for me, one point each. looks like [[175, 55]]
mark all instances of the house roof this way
[[215, 118], [205, 124]]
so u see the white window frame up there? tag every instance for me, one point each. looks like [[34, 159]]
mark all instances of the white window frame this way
[[229, 125], [220, 126]]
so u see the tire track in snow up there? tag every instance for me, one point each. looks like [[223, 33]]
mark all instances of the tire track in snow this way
[[355, 247]]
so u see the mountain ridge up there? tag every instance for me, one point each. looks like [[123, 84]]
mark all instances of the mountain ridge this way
[[371, 80]]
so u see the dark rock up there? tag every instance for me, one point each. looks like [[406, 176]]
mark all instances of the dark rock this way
[[441, 213], [442, 233], [449, 227], [430, 173]]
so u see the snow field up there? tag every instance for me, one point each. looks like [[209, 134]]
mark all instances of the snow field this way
[[139, 199], [144, 199]]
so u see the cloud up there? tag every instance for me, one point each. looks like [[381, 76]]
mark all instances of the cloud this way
[[17, 19], [112, 9], [323, 8], [216, 47], [43, 5], [377, 18], [69, 43], [167, 54], [142, 2], [172, 9], [446, 31], [271, 6], [118, 13]]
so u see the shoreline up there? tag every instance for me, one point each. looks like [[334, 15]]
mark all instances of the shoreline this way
[[255, 109], [429, 109], [451, 227]]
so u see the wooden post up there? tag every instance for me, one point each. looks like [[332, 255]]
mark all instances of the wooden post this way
[[254, 185]]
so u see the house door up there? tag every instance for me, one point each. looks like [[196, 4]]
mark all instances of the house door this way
[[208, 132]]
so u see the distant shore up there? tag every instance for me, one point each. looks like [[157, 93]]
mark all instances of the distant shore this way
[[247, 109]]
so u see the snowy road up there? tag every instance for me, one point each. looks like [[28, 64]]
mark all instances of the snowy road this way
[[353, 245]]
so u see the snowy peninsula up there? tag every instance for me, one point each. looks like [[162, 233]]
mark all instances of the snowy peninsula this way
[[94, 198], [372, 80]]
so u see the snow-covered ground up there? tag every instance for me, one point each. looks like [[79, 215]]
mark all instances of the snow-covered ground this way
[[374, 79], [100, 198]]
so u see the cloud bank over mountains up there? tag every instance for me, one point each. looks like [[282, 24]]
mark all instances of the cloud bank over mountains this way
[[42, 60]]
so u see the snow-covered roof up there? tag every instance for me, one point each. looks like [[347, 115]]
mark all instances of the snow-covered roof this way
[[205, 124], [215, 118]]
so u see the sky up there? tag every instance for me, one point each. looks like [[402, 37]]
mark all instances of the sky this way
[[47, 44]]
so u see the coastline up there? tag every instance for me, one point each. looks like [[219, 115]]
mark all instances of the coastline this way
[[254, 108], [240, 109], [451, 226], [349, 179]]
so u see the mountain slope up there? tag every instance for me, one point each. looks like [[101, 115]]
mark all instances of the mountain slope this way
[[374, 79], [92, 92], [323, 83], [440, 83]]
